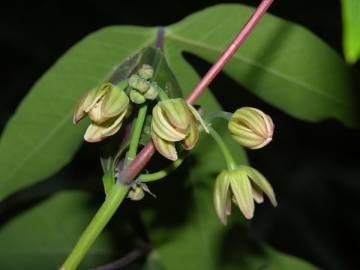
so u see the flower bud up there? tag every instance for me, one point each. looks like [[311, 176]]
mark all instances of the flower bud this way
[[244, 185], [138, 83], [136, 194], [106, 107], [251, 127], [152, 92], [146, 72], [136, 97], [174, 120]]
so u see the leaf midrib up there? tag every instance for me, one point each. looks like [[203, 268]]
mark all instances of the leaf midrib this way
[[241, 58]]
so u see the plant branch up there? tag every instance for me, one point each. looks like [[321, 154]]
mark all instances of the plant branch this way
[[229, 52], [146, 153]]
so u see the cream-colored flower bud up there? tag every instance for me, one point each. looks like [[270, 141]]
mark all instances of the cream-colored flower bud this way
[[146, 72], [152, 92], [251, 127], [136, 97], [106, 107], [174, 120], [138, 83]]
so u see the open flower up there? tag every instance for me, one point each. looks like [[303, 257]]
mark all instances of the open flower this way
[[243, 186], [251, 127], [174, 120], [106, 107]]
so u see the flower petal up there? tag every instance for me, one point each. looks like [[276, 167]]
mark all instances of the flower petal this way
[[221, 196], [96, 133], [177, 112], [163, 128], [192, 137], [114, 103], [165, 148], [260, 181], [242, 190]]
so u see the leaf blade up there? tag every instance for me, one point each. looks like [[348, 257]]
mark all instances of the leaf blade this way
[[280, 62], [40, 139]]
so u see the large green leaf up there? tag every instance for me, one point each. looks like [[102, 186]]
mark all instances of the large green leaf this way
[[42, 237], [351, 29], [40, 138], [282, 63]]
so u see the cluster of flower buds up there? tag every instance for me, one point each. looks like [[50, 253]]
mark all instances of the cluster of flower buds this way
[[106, 107], [174, 120], [243, 186], [142, 87], [251, 127]]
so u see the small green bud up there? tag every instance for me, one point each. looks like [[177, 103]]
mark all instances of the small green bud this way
[[136, 194], [106, 106], [136, 97], [245, 185], [138, 83], [251, 127], [152, 92], [146, 72]]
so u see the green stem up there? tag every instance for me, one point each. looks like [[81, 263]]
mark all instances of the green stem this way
[[230, 161], [162, 94], [135, 135], [96, 226], [220, 114], [150, 177]]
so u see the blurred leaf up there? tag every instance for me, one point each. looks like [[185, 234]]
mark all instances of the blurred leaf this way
[[42, 237], [351, 29], [281, 62], [40, 138]]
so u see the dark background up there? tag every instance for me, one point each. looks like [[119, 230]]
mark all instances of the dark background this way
[[314, 166]]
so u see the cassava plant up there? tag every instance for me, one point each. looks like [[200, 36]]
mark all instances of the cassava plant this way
[[128, 92], [175, 127]]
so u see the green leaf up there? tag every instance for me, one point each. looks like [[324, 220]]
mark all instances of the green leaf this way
[[281, 62], [40, 138], [351, 29], [42, 237]]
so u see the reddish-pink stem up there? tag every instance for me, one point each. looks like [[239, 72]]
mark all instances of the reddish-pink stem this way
[[229, 52], [146, 153]]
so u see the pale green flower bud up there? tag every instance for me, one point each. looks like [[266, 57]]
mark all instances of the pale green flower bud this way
[[251, 127], [138, 83], [136, 194], [245, 185], [174, 120], [152, 92], [106, 106], [146, 72], [136, 97]]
